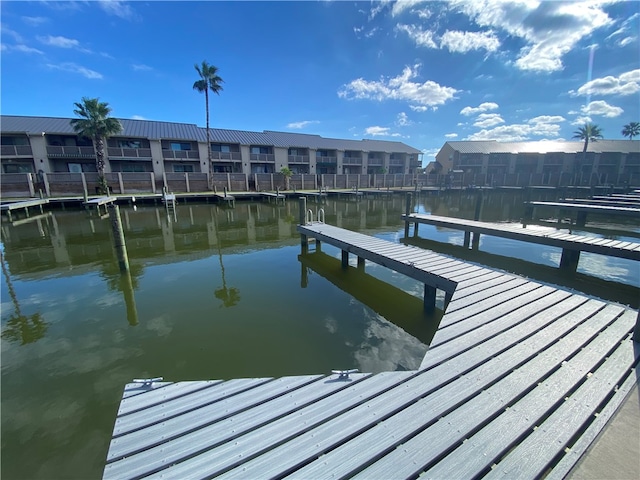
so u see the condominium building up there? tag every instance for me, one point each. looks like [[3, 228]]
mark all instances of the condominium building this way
[[605, 160], [50, 145]]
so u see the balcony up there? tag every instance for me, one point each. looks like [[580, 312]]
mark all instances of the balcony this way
[[298, 158], [16, 151], [376, 162], [262, 157], [327, 160], [181, 154], [68, 151], [352, 161], [227, 156], [395, 161], [121, 152]]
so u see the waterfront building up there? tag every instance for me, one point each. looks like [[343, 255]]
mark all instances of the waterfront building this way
[[605, 161], [49, 145]]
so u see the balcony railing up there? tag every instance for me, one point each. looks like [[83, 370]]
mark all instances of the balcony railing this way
[[396, 161], [129, 152], [376, 162], [16, 150], [298, 158], [181, 154], [327, 159], [68, 151], [352, 161], [226, 156], [262, 157]]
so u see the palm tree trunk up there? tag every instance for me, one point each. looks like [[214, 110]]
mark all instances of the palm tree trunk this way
[[206, 99], [102, 181]]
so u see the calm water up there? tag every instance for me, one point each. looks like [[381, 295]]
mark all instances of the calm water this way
[[221, 293]]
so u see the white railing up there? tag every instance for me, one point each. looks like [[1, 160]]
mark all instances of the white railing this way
[[15, 150], [129, 152], [70, 151]]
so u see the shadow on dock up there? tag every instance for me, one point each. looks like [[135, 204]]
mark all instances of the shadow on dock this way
[[616, 292], [402, 309]]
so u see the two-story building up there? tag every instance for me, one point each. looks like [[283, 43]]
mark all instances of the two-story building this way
[[50, 145], [606, 160]]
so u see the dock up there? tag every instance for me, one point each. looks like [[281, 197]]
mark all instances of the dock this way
[[100, 202], [518, 381], [570, 244], [23, 205], [273, 196], [581, 210]]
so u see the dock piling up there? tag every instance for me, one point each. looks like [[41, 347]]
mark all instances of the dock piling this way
[[118, 237], [407, 211], [302, 220]]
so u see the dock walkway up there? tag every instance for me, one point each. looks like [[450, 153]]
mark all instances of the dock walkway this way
[[571, 245], [582, 210], [519, 380], [23, 205]]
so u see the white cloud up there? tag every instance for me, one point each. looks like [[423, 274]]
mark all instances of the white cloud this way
[[403, 120], [20, 48], [627, 41], [451, 135], [141, 67], [137, 117], [402, 5], [485, 120], [550, 29], [463, 42], [546, 126], [627, 83], [62, 42], [483, 107], [582, 120], [602, 108], [423, 14], [429, 93], [74, 68], [118, 8], [418, 108], [422, 38], [12, 33], [34, 21], [380, 131], [302, 124], [547, 119], [503, 133]]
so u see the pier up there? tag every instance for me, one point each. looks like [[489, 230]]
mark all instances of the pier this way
[[571, 245], [515, 367]]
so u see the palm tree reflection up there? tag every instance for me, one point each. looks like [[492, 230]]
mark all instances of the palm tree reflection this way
[[230, 296], [21, 328]]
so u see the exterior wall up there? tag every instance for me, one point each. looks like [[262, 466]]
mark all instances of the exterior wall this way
[[39, 150], [157, 159], [205, 167], [340, 161], [281, 156], [312, 161]]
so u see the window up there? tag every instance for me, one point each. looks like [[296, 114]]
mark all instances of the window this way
[[216, 147], [263, 150], [129, 143], [183, 168], [180, 146], [18, 168]]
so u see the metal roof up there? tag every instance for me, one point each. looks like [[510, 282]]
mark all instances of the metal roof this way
[[546, 146], [186, 131]]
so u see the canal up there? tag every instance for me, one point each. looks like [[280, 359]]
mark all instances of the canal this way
[[219, 293]]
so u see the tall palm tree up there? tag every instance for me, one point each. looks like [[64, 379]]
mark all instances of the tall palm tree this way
[[209, 80], [631, 130], [96, 124], [589, 133]]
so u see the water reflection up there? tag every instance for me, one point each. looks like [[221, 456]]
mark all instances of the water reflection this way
[[18, 327]]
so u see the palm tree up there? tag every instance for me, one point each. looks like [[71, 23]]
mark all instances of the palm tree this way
[[589, 132], [209, 80], [631, 130], [96, 124]]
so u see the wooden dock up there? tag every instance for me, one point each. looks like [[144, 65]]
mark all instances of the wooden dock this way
[[100, 202], [571, 245], [23, 205], [582, 210], [519, 380]]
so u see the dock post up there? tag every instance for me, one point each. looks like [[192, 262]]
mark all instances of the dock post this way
[[429, 298], [581, 219], [479, 201], [345, 259], [302, 220], [407, 211], [361, 263], [636, 330], [467, 237], [569, 260], [126, 285], [118, 237]]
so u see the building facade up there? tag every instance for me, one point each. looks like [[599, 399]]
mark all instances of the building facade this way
[[49, 145], [605, 161]]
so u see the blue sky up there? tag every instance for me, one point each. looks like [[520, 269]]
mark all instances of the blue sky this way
[[418, 72]]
